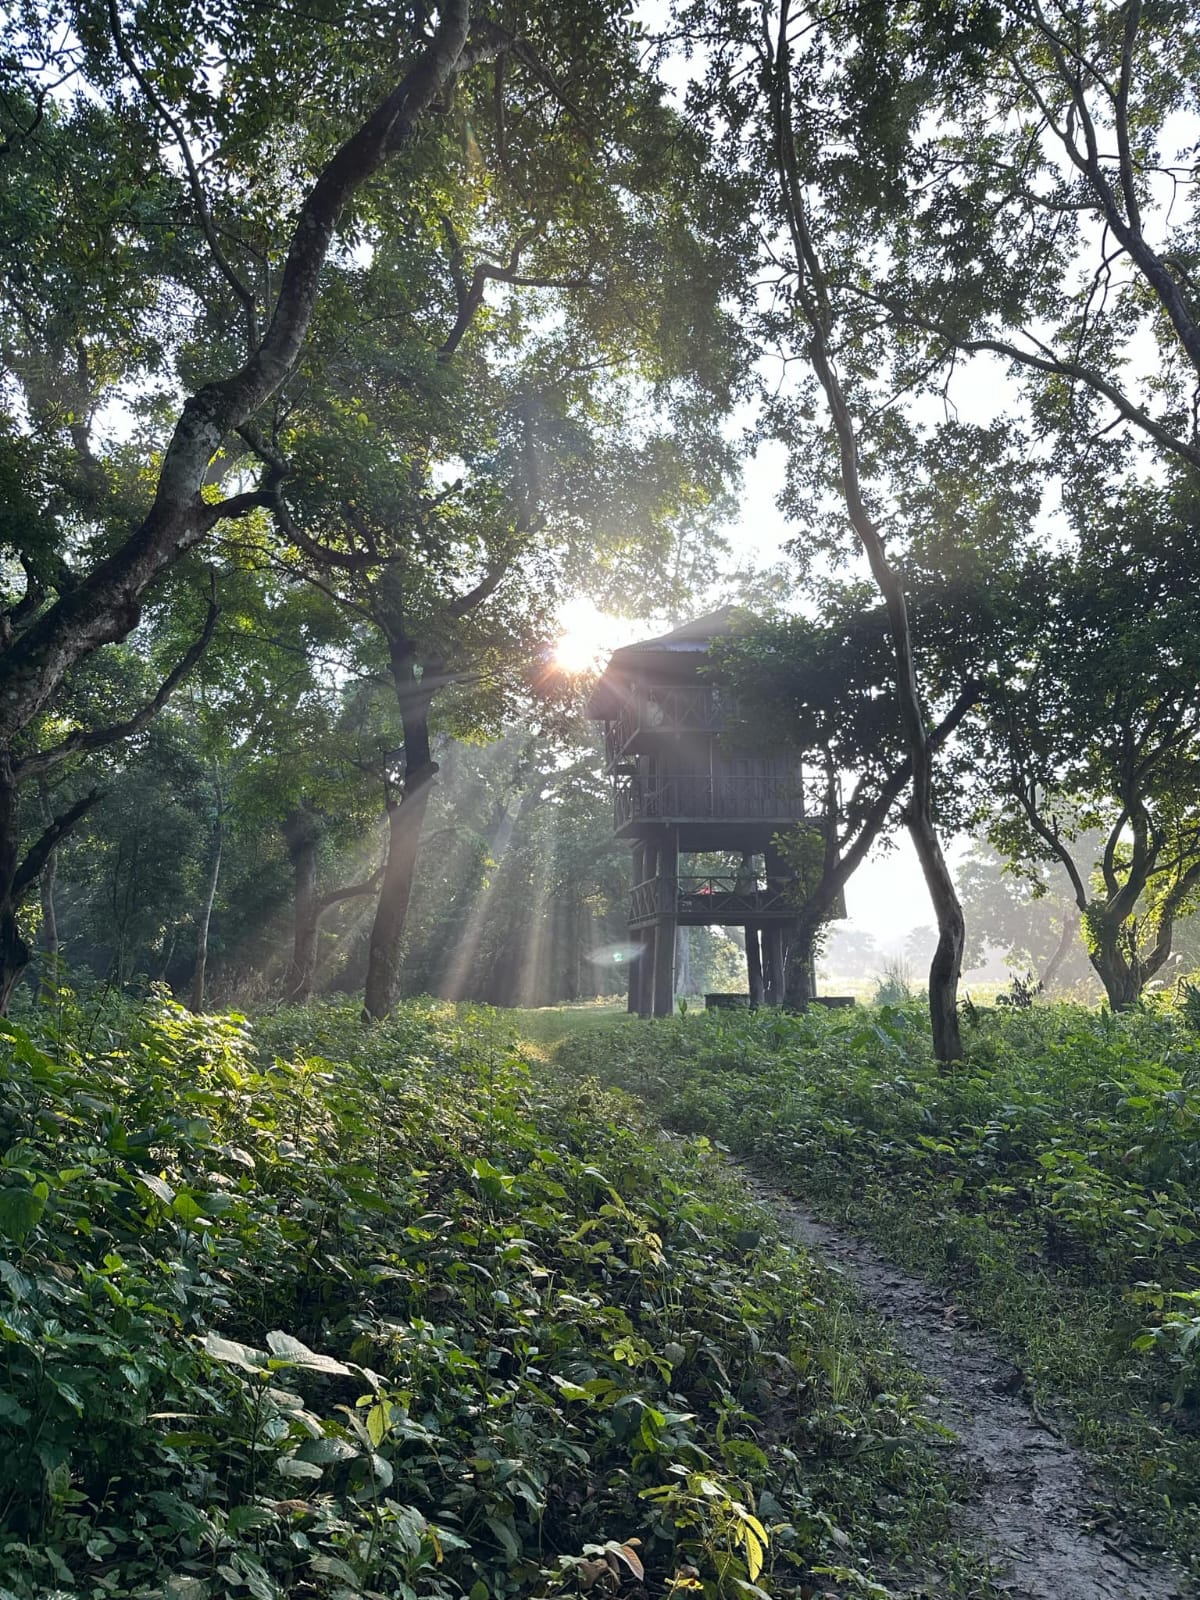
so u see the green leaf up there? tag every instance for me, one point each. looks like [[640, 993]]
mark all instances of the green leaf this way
[[157, 1187], [326, 1450], [569, 1390], [20, 1286], [25, 1050], [235, 1354], [21, 1210], [377, 1422], [243, 1519], [506, 1536], [289, 1350]]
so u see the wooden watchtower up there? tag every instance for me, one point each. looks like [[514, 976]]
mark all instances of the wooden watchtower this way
[[680, 789]]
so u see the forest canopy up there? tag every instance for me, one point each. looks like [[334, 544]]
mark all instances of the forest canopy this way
[[341, 348]]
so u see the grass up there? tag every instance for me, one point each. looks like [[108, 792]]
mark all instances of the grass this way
[[1051, 1180], [296, 1309], [547, 1025]]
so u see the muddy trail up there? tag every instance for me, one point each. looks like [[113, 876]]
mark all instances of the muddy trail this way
[[1034, 1511]]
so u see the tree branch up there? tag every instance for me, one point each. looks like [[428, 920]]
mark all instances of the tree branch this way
[[224, 265], [39, 853], [1049, 836], [351, 891], [1055, 366], [486, 587], [84, 741], [106, 605]]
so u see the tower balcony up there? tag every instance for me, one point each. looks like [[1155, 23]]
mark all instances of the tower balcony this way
[[775, 800], [665, 709], [724, 898]]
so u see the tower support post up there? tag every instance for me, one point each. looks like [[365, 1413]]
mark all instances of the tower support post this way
[[637, 940], [772, 939], [667, 873], [754, 965]]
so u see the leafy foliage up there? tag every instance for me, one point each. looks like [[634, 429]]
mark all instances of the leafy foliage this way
[[299, 1309], [1090, 734], [1052, 1179]]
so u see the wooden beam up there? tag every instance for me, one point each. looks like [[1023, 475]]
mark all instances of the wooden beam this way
[[664, 929], [754, 965], [772, 941], [637, 940]]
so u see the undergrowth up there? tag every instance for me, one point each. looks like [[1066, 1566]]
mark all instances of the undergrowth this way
[[301, 1310], [1051, 1179]]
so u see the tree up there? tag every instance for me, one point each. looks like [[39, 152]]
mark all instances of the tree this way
[[307, 727], [461, 442], [851, 953], [1093, 727], [204, 143], [131, 877], [820, 689], [1028, 911], [793, 93], [1049, 221], [521, 897]]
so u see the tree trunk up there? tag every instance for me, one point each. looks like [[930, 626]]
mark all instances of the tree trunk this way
[[1122, 979], [800, 985], [48, 987], [49, 939], [302, 832], [14, 952], [406, 817], [946, 965], [1070, 928], [813, 302], [1125, 972], [200, 972]]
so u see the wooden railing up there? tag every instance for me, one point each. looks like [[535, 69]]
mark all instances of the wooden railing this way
[[679, 708], [723, 897], [736, 799]]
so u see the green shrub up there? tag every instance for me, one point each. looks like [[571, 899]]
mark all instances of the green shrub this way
[[301, 1309], [1051, 1178]]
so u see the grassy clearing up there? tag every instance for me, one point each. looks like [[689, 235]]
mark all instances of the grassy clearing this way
[[297, 1310], [547, 1025], [1052, 1180]]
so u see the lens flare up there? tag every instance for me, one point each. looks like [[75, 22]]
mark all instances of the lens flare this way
[[614, 955]]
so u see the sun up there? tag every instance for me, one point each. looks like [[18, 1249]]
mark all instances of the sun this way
[[587, 637]]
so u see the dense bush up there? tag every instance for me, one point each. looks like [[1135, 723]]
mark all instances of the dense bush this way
[[303, 1310], [1052, 1177]]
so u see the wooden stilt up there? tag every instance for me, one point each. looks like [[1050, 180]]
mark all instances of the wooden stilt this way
[[772, 940], [754, 965], [664, 929], [637, 943]]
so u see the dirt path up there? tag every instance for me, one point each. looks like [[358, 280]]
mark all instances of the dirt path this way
[[1034, 1509]]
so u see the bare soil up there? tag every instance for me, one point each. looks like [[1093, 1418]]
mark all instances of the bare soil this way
[[1035, 1512]]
